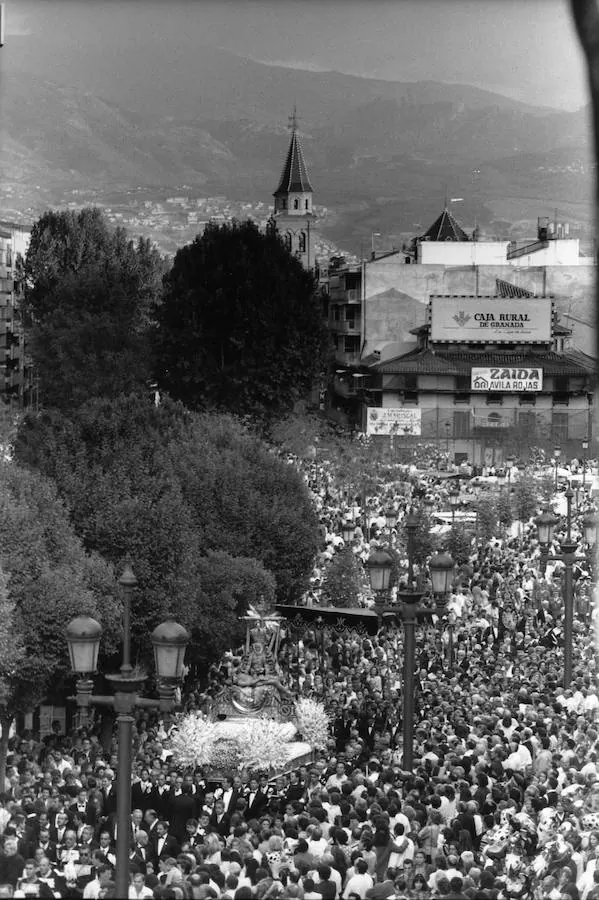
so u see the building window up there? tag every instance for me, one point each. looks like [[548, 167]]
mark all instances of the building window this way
[[302, 242], [461, 398], [494, 400], [561, 399], [410, 398], [461, 424], [283, 204], [462, 383], [528, 399], [287, 240], [307, 204], [559, 426], [296, 203], [527, 422], [560, 384]]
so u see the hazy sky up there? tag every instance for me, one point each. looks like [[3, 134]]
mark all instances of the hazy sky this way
[[525, 49]]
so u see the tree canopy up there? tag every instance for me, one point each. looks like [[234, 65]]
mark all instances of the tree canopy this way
[[46, 579], [209, 518], [239, 327], [86, 306]]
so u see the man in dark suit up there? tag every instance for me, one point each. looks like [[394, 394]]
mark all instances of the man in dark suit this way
[[257, 800], [142, 792], [149, 825], [44, 843], [60, 828], [161, 797], [143, 852], [108, 799], [219, 820], [183, 808], [166, 844], [228, 795]]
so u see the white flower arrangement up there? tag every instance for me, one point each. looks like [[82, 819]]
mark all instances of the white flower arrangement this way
[[193, 740], [312, 722], [264, 744]]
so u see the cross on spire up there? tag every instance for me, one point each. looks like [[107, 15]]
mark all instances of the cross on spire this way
[[293, 119]]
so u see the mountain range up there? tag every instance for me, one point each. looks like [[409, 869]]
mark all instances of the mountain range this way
[[382, 155]]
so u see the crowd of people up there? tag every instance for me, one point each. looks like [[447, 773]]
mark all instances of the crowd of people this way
[[502, 800]]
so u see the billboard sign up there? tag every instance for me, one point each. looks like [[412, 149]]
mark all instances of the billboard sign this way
[[393, 420], [490, 320], [506, 378]]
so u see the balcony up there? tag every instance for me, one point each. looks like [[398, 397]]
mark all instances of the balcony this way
[[345, 326], [492, 422], [347, 357]]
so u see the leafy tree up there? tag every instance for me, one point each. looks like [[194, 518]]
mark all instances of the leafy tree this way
[[487, 519], [424, 542], [505, 514], [48, 579], [343, 580], [525, 499], [171, 490], [239, 327], [459, 543], [86, 306]]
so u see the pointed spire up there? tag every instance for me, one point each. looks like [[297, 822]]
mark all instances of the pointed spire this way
[[445, 228], [294, 177]]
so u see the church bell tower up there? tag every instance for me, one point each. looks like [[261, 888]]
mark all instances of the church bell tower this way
[[293, 202]]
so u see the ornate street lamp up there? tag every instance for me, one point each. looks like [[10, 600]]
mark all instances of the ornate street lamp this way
[[454, 500], [509, 464], [379, 566], [545, 523], [441, 567], [391, 517], [348, 530], [410, 524], [83, 638]]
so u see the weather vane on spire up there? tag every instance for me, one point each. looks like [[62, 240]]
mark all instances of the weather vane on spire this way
[[293, 119]]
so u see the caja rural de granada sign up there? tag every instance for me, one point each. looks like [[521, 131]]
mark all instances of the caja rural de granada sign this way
[[504, 378], [491, 320]]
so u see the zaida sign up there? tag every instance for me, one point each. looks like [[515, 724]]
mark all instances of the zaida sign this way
[[506, 378], [491, 320]]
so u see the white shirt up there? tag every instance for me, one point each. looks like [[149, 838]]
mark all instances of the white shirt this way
[[145, 892], [358, 884]]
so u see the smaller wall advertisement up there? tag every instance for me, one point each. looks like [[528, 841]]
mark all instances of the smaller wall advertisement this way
[[516, 379], [393, 421]]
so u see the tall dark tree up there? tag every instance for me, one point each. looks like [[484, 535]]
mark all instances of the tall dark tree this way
[[209, 518], [86, 307], [239, 327]]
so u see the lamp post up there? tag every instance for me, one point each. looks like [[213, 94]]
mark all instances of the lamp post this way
[[509, 464], [348, 530], [391, 518], [590, 526], [441, 567], [447, 428], [568, 548], [585, 447], [379, 565], [169, 641], [545, 523], [557, 452], [454, 500]]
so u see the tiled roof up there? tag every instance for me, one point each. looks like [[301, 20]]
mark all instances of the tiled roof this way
[[427, 362], [294, 176], [445, 228]]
